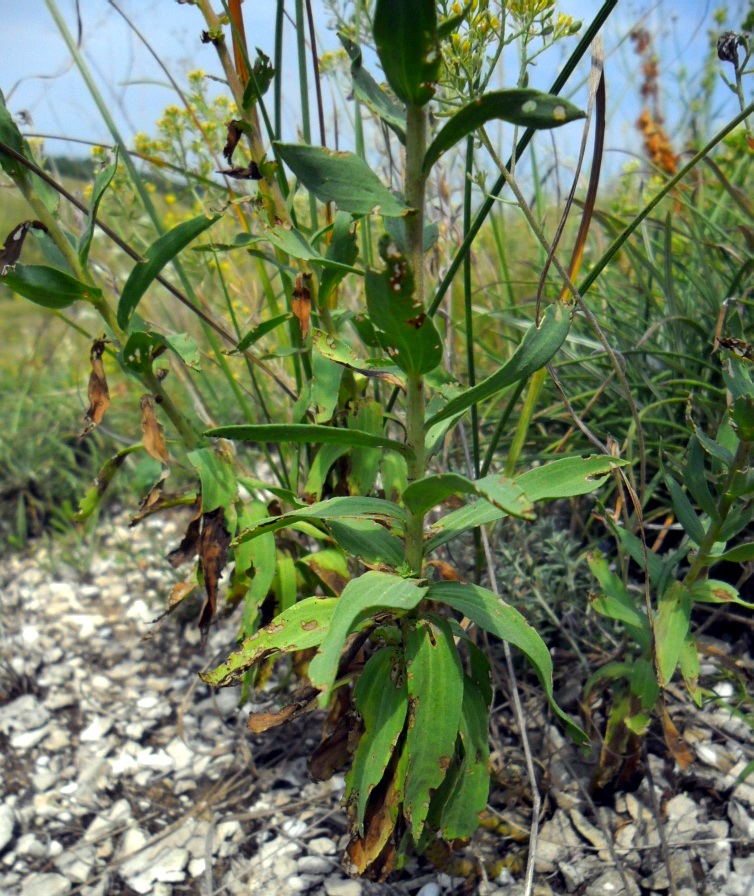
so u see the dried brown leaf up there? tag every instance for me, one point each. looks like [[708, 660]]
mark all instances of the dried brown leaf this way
[[14, 242], [154, 435], [214, 542], [99, 394], [259, 722], [675, 743], [301, 302], [250, 172], [235, 131], [189, 546]]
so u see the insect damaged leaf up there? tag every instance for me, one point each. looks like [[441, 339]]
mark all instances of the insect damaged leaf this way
[[99, 394]]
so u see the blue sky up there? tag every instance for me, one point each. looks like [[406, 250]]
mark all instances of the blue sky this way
[[39, 79]]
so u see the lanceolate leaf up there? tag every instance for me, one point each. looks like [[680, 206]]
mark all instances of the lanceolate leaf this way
[[371, 94], [404, 329], [342, 178], [568, 477], [267, 326], [156, 257], [671, 626], [525, 107], [361, 599], [101, 183], [218, 478], [537, 348], [48, 287], [341, 254], [405, 33], [308, 434], [500, 491], [95, 492], [467, 797], [302, 626], [341, 508], [435, 690], [478, 513], [369, 541], [498, 618], [381, 697]]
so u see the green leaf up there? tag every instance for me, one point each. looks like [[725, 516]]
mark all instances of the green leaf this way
[[435, 692], [685, 513], [10, 134], [285, 583], [339, 351], [326, 377], [365, 416], [404, 329], [97, 489], [405, 35], [616, 603], [524, 107], [381, 697], [341, 508], [671, 626], [498, 490], [342, 178], [688, 663], [101, 183], [715, 591], [695, 479], [156, 257], [319, 469], [342, 251], [218, 478], [568, 477], [470, 516], [537, 348], [261, 77], [307, 434], [467, 798], [369, 541], [257, 558], [302, 626], [742, 553], [495, 616], [369, 92], [644, 683], [361, 599], [267, 326], [48, 287]]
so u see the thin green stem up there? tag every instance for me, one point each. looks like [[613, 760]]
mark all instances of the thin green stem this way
[[467, 306], [414, 188]]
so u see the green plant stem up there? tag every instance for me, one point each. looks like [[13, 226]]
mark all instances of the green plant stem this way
[[414, 188], [740, 463]]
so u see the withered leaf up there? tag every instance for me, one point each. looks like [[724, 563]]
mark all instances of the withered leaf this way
[[189, 546], [336, 749], [235, 130], [250, 172], [259, 722], [99, 395], [154, 435], [166, 500], [14, 242], [214, 542], [675, 742], [373, 855], [301, 303]]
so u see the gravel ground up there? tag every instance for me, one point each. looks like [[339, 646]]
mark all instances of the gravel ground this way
[[122, 774]]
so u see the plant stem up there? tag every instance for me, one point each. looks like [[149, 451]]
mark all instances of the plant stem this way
[[414, 188]]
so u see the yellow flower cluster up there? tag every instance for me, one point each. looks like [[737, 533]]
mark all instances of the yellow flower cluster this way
[[527, 10]]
